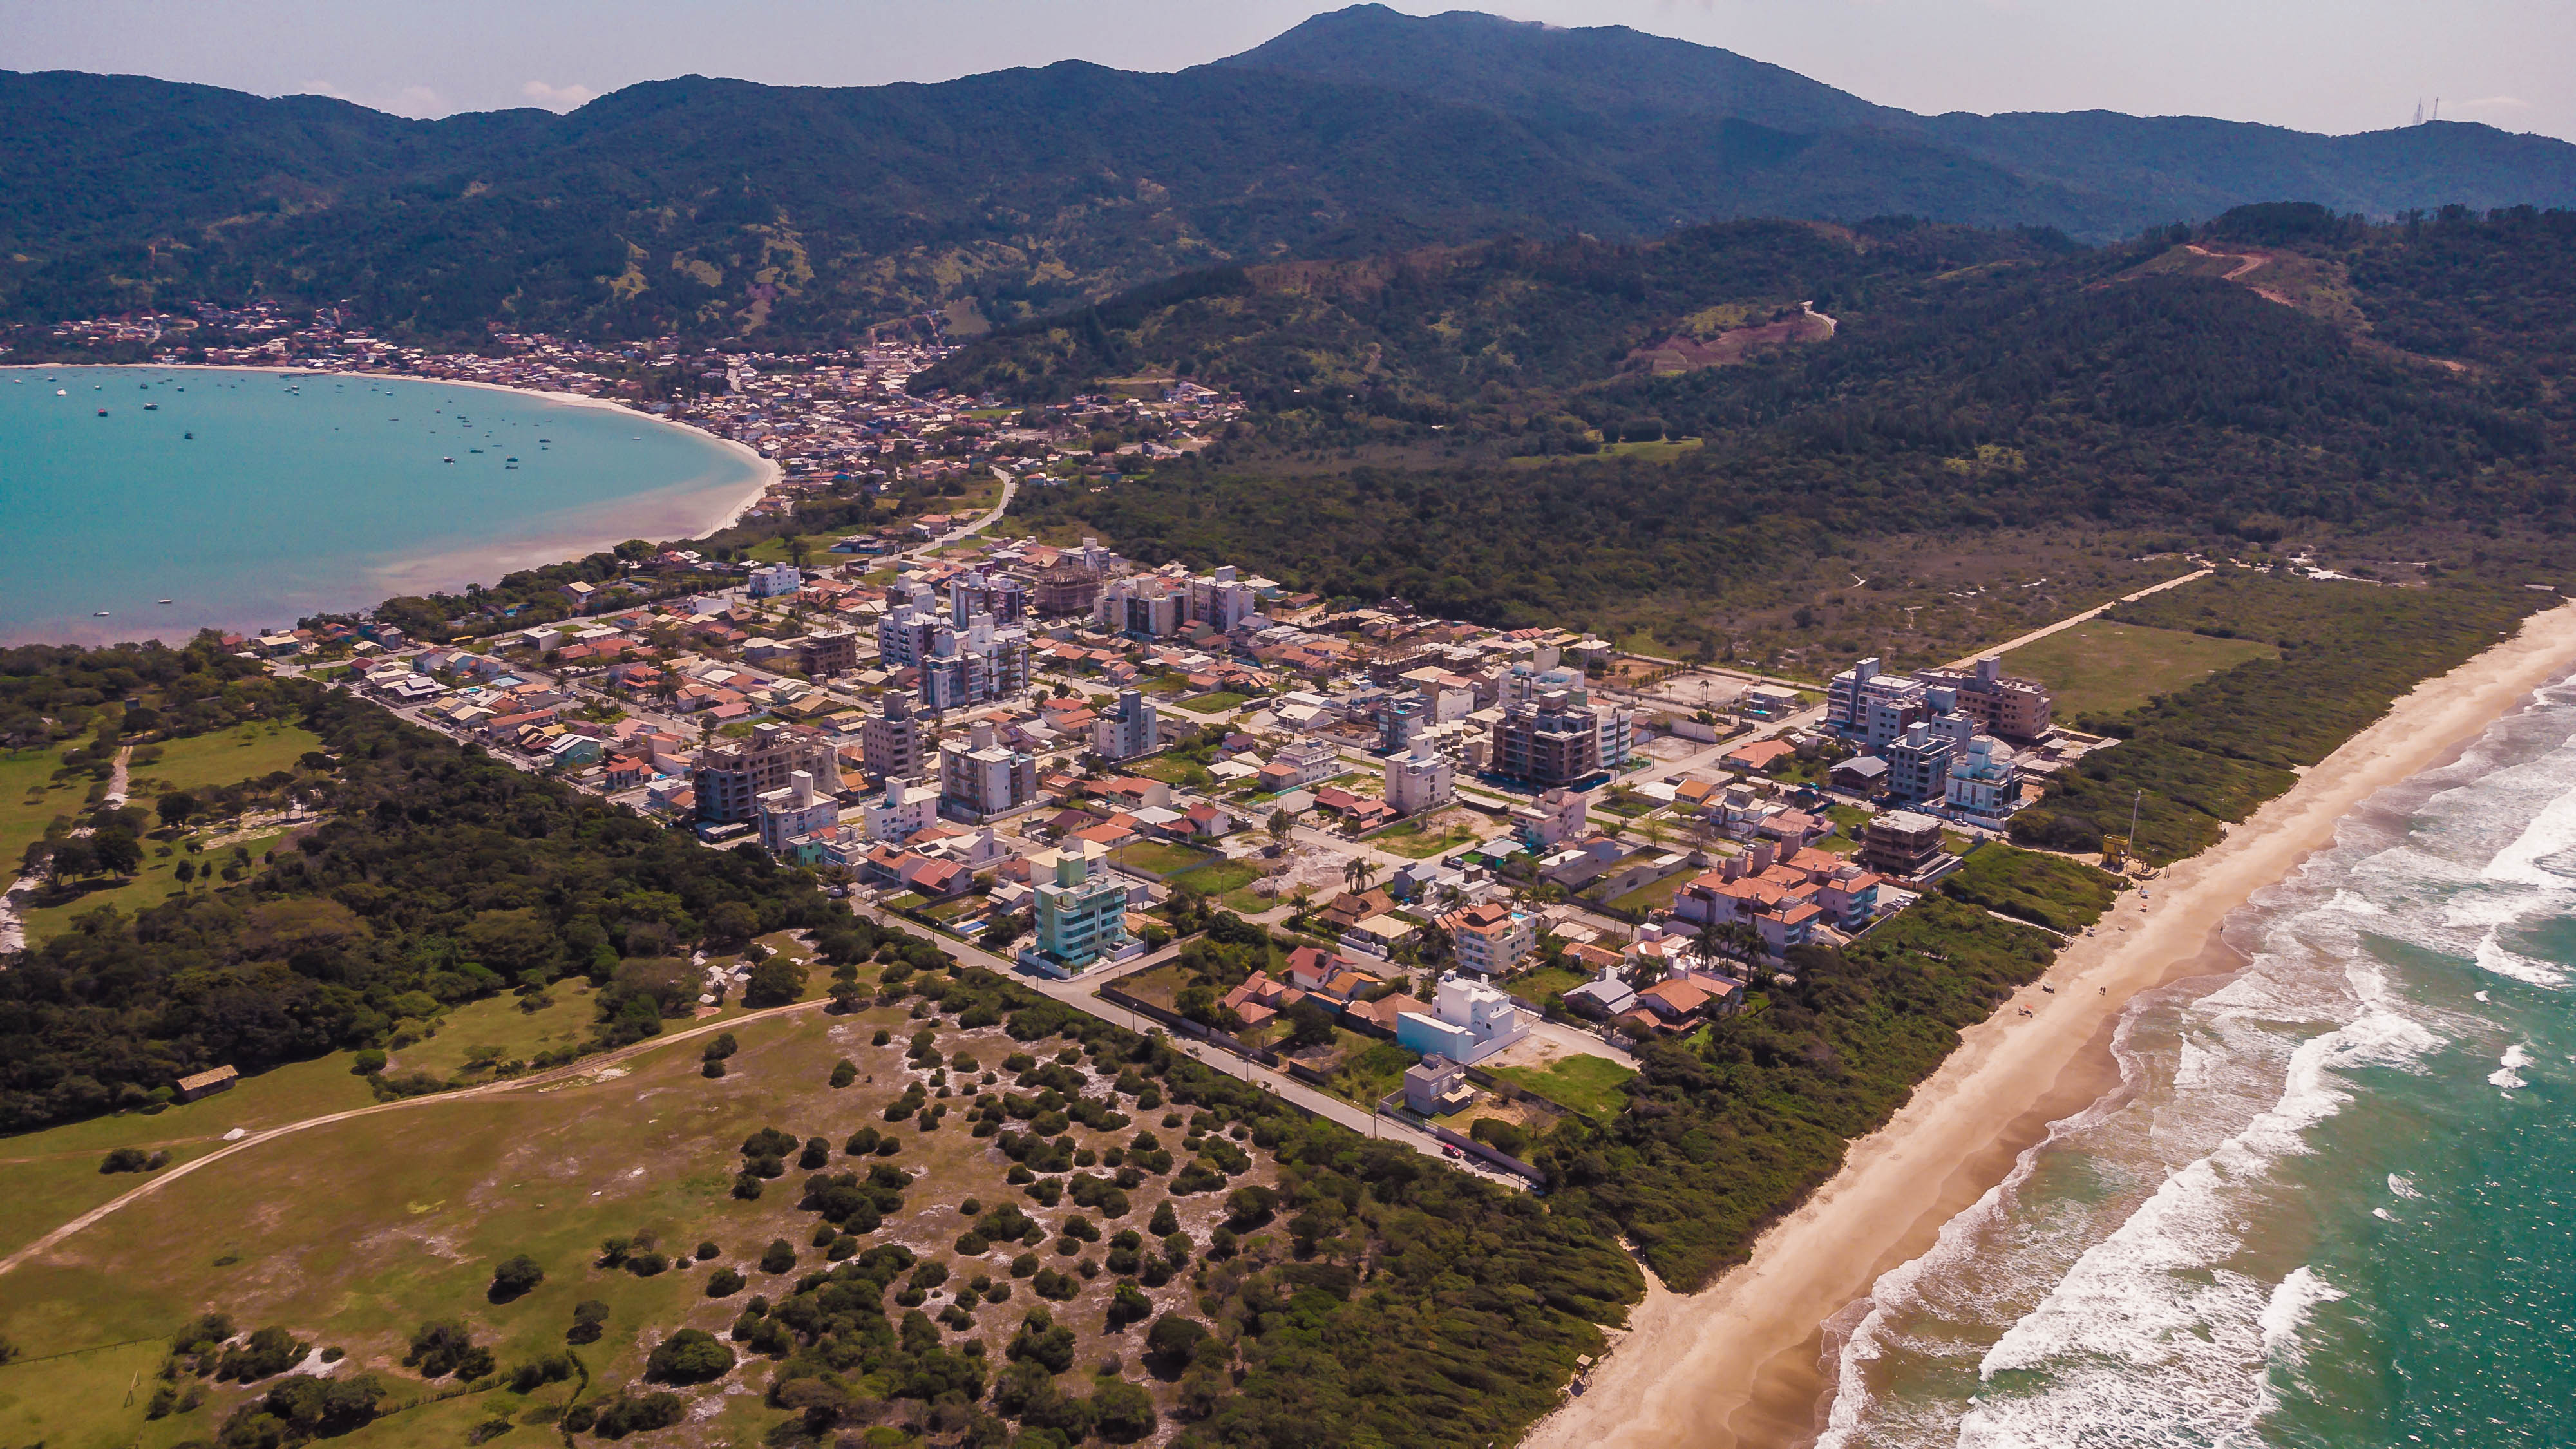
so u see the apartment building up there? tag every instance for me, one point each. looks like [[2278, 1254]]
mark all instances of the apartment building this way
[[1081, 913], [1901, 843], [985, 778], [975, 665], [794, 811], [1419, 780], [1985, 779], [1559, 736], [907, 808], [1918, 761], [2000, 703], [891, 744], [999, 595], [1492, 938], [1126, 729], [826, 652], [729, 777], [1144, 607]]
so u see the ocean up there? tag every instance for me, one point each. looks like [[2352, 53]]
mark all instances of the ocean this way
[[2332, 1202], [249, 499]]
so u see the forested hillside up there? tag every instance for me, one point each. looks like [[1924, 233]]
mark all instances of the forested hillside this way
[[2399, 379], [725, 209]]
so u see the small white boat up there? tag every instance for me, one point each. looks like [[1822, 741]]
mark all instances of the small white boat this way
[[447, 460], [101, 614], [161, 601], [59, 392], [152, 407]]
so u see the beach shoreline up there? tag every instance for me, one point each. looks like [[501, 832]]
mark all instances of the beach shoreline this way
[[1740, 1363], [656, 514]]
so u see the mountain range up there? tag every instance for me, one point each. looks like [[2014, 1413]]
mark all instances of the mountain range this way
[[798, 215]]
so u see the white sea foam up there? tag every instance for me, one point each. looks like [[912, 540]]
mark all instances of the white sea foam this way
[[2151, 1330], [2492, 956], [2508, 1073], [2403, 1186], [2551, 833], [2288, 1310], [2355, 904]]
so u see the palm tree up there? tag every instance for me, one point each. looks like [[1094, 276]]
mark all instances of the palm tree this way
[[1357, 872]]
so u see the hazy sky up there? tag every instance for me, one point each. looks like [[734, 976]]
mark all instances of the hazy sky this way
[[2319, 65]]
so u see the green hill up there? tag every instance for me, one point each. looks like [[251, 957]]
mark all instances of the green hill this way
[[796, 214]]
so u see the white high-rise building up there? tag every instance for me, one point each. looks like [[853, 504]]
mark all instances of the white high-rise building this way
[[1422, 779]]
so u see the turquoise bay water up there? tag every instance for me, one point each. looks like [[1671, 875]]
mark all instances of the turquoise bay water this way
[[318, 492], [2333, 1203]]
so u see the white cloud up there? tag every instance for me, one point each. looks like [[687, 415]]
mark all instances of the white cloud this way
[[558, 98]]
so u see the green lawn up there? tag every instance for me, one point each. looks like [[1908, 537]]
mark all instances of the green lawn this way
[[1162, 857], [226, 757], [496, 1030], [353, 1234], [29, 800], [1374, 1069], [1544, 982], [1413, 842], [158, 881], [2099, 667], [1656, 896], [1171, 770], [1223, 701], [1594, 1086], [1219, 877]]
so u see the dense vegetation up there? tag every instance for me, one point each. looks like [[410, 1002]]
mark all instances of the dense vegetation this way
[[1723, 1135], [718, 208], [2212, 754], [60, 692], [442, 876], [2047, 890], [2087, 390]]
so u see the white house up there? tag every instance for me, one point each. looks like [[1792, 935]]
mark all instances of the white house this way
[[1468, 1021]]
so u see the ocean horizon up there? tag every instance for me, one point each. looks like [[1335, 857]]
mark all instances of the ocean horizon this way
[[2327, 1204], [249, 499]]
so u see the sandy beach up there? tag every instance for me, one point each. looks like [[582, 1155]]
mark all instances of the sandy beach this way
[[1738, 1364]]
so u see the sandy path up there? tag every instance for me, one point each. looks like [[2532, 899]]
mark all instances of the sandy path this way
[[1736, 1364], [588, 1066]]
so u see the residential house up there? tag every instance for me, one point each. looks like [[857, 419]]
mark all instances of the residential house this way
[[1468, 1021], [1491, 939]]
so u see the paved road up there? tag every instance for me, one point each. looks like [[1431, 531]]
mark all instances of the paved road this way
[[1081, 994]]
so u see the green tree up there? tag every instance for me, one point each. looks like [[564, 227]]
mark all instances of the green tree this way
[[515, 1278], [176, 806], [690, 1356], [774, 982]]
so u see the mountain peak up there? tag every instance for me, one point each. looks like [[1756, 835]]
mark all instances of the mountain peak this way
[[1528, 68]]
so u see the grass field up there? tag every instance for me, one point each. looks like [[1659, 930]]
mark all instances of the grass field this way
[[1222, 701], [158, 881], [29, 800], [353, 1234], [1544, 982], [1161, 858], [1654, 895], [226, 757], [496, 1030], [2099, 667], [1219, 877], [1171, 770], [1411, 840], [1593, 1086]]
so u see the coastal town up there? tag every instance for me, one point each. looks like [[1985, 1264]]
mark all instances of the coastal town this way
[[835, 424], [1493, 850]]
